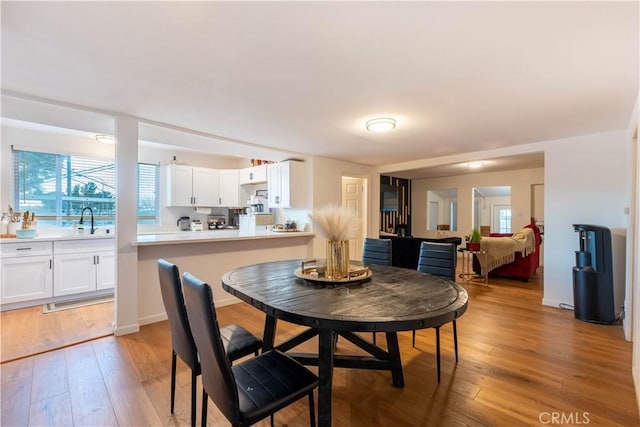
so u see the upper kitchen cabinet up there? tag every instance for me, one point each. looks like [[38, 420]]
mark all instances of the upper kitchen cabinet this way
[[253, 175], [229, 188], [192, 186], [286, 183]]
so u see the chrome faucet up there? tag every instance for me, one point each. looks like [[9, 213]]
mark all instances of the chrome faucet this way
[[93, 230]]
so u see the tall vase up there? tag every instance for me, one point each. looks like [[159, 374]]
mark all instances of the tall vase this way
[[337, 259]]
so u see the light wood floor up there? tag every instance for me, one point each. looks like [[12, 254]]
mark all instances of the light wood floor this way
[[520, 363], [29, 331]]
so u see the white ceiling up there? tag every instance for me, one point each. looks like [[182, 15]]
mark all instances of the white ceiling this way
[[304, 77]]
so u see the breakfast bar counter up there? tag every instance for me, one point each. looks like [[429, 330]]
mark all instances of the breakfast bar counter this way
[[208, 255], [186, 237]]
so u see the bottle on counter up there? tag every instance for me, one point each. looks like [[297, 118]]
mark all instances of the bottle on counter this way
[[4, 228]]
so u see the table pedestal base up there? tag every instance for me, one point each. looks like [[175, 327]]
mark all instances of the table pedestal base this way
[[326, 359]]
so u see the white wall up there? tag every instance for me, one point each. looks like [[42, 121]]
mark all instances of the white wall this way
[[520, 182], [587, 181], [327, 189]]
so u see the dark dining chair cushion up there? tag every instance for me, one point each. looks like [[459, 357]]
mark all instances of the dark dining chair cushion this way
[[238, 342], [270, 382]]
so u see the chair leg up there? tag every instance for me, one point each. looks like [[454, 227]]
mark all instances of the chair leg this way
[[438, 351], [194, 381], [271, 420], [173, 378], [374, 338], [312, 411], [455, 339], [413, 338], [205, 399]]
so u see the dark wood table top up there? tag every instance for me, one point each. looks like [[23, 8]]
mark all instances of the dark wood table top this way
[[394, 299]]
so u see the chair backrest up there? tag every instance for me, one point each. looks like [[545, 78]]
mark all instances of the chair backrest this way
[[181, 338], [439, 259], [376, 251], [217, 377]]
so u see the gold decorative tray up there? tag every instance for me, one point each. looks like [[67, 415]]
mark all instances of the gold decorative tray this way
[[312, 272]]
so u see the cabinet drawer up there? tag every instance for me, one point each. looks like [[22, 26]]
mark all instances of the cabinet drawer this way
[[32, 248], [82, 246]]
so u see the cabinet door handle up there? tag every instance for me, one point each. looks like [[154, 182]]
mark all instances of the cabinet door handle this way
[[97, 259], [219, 200], [250, 176], [23, 249], [50, 264]]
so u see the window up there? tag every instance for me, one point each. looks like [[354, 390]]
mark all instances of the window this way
[[504, 220], [58, 186]]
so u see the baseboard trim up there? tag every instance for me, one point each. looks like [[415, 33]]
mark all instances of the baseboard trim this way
[[227, 301], [555, 303], [152, 319], [125, 330], [636, 383]]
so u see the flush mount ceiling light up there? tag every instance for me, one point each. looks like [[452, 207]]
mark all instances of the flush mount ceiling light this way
[[475, 165], [381, 124], [106, 139]]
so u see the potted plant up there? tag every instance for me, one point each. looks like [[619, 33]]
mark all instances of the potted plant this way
[[474, 240]]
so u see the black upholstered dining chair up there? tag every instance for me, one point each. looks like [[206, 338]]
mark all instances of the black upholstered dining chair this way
[[439, 259], [238, 342], [376, 251], [254, 388]]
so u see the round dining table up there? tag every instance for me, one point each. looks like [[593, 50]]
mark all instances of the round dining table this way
[[392, 299]]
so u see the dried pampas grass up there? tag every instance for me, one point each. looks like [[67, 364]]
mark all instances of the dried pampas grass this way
[[334, 222]]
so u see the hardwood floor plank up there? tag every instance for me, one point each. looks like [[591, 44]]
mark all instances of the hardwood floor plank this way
[[49, 376], [72, 326], [127, 395], [48, 330], [15, 402], [90, 404], [18, 333], [19, 370], [53, 411]]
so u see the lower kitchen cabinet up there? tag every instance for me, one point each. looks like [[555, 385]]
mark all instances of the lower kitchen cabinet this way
[[26, 278], [26, 271], [105, 270], [83, 266]]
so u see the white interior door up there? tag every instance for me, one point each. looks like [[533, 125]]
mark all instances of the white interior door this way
[[353, 198]]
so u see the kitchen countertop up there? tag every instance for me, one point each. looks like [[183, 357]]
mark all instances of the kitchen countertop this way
[[58, 237], [182, 237]]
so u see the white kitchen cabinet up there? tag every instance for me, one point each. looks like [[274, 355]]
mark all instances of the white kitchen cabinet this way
[[26, 271], [105, 270], [192, 186], [286, 184], [229, 188], [83, 266], [253, 175]]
